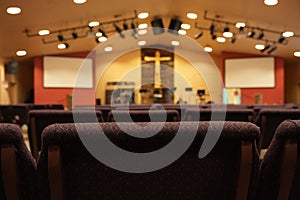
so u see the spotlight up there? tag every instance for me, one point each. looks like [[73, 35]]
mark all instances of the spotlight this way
[[266, 47], [281, 39], [199, 35], [157, 26], [134, 31], [212, 29], [227, 33], [233, 40], [74, 35], [174, 26], [63, 46], [102, 32], [213, 37], [261, 35], [273, 49], [60, 37], [118, 29], [125, 26], [251, 34]]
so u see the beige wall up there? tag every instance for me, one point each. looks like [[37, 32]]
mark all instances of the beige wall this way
[[127, 68], [4, 98]]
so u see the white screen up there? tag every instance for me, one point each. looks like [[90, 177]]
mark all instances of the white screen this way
[[250, 72], [61, 72]]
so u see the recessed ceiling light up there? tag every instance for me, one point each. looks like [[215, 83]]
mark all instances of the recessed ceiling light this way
[[221, 39], [142, 43], [259, 46], [63, 46], [143, 15], [143, 26], [271, 2], [185, 26], [13, 10], [94, 23], [44, 32], [208, 49], [142, 31], [228, 34], [288, 34], [175, 43], [21, 53], [297, 53], [108, 49], [79, 1], [192, 15], [182, 32], [102, 39]]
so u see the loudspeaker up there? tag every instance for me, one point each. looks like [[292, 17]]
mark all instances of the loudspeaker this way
[[12, 67], [157, 26], [174, 26]]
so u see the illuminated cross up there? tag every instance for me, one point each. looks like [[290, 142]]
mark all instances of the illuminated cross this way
[[157, 59]]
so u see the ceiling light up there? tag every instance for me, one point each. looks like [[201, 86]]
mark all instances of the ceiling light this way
[[207, 49], [60, 37], [297, 53], [272, 50], [102, 33], [227, 33], [261, 35], [94, 23], [212, 29], [175, 43], [197, 36], [221, 39], [108, 49], [74, 35], [251, 34], [13, 10], [288, 34], [266, 47], [134, 32], [213, 37], [21, 53], [157, 26], [185, 26], [174, 25], [182, 32], [79, 1], [142, 32], [143, 15], [63, 46], [192, 15], [259, 46], [102, 39], [44, 32], [125, 26], [233, 40], [142, 43], [240, 24], [118, 29], [143, 26], [281, 39], [271, 2]]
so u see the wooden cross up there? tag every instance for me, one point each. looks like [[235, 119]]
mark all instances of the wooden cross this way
[[157, 59]]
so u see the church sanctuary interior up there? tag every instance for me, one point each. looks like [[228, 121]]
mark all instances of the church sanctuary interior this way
[[150, 99]]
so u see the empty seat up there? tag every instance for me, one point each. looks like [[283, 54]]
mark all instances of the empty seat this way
[[280, 169], [39, 119], [269, 119], [18, 168], [143, 116], [211, 114], [229, 171]]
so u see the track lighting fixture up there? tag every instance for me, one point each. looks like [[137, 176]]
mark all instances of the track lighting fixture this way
[[174, 26], [60, 37], [267, 46], [281, 39], [251, 34], [233, 39], [198, 35], [118, 29], [261, 35], [272, 49], [213, 37], [212, 29], [125, 26], [227, 33], [102, 33], [134, 32], [157, 26], [63, 45], [74, 35]]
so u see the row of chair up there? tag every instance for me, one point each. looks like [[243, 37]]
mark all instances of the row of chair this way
[[66, 169], [267, 119]]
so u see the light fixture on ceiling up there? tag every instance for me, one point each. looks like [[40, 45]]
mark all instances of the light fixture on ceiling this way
[[251, 34], [142, 32], [271, 2], [208, 49], [261, 35], [272, 49], [212, 29], [13, 10], [297, 53], [185, 26], [125, 26], [134, 32], [175, 43], [63, 45], [259, 46], [191, 15], [143, 15], [44, 32], [60, 37], [74, 35], [288, 34], [227, 33], [118, 29], [174, 25], [21, 53], [182, 32], [94, 23], [233, 39], [221, 39], [157, 26], [142, 43], [267, 46], [281, 39], [108, 49], [79, 1], [198, 35]]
